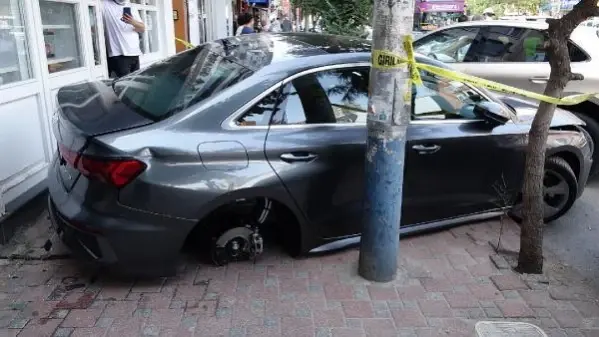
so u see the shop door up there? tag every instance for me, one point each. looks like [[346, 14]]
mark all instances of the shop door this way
[[180, 23]]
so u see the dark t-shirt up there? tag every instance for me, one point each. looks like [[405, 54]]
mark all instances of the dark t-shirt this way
[[247, 30], [286, 26]]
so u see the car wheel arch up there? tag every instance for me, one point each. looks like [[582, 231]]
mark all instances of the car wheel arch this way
[[293, 220], [588, 111], [571, 158]]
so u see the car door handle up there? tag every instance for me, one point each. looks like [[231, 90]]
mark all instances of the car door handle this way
[[294, 157], [426, 149], [539, 79]]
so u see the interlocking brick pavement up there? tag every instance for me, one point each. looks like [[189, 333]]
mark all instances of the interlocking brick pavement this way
[[447, 281]]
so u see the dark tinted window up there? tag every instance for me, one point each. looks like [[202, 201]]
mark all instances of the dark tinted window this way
[[178, 82], [576, 54], [260, 114], [335, 96], [449, 45], [442, 99], [513, 44], [508, 44]]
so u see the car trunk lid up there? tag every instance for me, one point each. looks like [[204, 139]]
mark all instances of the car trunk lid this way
[[85, 111]]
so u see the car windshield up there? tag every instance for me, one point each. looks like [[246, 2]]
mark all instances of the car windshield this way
[[167, 87], [450, 45]]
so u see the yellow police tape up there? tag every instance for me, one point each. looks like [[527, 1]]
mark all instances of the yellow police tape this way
[[185, 43], [387, 60]]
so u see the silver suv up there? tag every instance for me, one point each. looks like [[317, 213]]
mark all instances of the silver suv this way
[[513, 53]]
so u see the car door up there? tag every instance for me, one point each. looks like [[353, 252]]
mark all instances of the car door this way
[[456, 164], [316, 145]]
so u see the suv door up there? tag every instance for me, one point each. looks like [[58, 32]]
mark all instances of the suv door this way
[[510, 55], [513, 56], [316, 146]]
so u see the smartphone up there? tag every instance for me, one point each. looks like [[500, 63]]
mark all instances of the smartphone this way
[[126, 11]]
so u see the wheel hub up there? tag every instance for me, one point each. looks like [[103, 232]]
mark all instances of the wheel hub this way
[[237, 244]]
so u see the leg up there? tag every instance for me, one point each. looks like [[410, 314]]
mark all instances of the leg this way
[[119, 65], [134, 65]]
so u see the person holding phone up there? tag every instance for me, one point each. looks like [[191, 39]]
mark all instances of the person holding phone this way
[[122, 26]]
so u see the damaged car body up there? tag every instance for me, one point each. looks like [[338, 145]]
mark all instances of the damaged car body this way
[[223, 145]]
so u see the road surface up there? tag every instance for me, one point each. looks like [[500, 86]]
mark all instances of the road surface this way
[[574, 238]]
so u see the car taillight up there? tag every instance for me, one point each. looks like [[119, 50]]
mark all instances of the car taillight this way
[[117, 172]]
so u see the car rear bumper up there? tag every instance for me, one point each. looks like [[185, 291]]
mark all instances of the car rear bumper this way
[[135, 244]]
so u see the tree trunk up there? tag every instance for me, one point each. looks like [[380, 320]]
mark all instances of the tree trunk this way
[[530, 259], [388, 119]]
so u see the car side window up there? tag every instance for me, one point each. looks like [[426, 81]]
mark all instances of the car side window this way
[[260, 114], [513, 44], [332, 96], [509, 44], [448, 45], [576, 54], [442, 99]]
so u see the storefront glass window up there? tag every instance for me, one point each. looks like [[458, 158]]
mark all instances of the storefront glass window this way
[[61, 37], [15, 65], [152, 32], [148, 11], [144, 2], [93, 19]]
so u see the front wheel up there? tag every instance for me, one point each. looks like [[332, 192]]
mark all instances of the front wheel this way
[[560, 190]]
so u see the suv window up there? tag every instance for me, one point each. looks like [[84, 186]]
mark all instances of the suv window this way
[[514, 44], [167, 87], [449, 45], [441, 99], [333, 96]]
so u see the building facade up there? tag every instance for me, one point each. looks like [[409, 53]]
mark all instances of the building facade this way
[[45, 45]]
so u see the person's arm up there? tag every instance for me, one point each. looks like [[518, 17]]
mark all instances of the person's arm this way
[[135, 21]]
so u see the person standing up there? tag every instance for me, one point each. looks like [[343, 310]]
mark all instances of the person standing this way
[[275, 26], [286, 25], [122, 36], [489, 14], [246, 24]]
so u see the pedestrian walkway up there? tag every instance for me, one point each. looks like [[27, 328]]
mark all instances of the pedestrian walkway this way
[[447, 282]]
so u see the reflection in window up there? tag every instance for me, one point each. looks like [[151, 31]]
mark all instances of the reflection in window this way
[[441, 99], [259, 114], [94, 28], [60, 35], [170, 86], [337, 96], [15, 65]]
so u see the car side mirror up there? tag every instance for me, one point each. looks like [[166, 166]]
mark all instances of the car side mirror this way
[[491, 112]]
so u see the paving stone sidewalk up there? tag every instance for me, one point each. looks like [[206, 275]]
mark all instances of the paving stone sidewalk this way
[[447, 281]]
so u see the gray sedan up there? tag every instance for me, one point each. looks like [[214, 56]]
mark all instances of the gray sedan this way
[[513, 53], [242, 142]]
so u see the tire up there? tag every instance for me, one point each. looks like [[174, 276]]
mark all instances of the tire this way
[[557, 171], [592, 127]]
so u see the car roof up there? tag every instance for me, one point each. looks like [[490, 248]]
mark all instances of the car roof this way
[[256, 51]]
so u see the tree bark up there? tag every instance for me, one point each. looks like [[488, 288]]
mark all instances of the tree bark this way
[[530, 259]]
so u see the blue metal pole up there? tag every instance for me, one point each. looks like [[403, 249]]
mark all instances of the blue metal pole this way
[[390, 108]]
